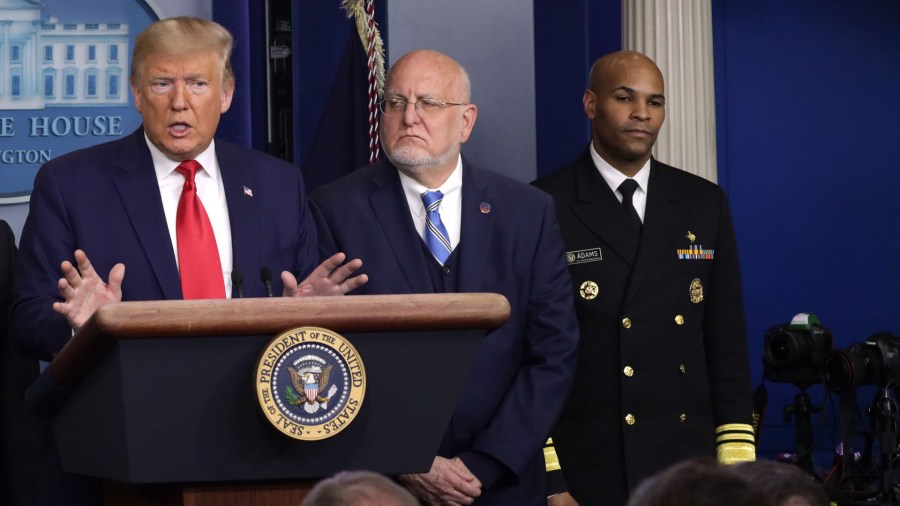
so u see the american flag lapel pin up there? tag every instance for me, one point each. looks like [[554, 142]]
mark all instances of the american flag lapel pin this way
[[248, 192]]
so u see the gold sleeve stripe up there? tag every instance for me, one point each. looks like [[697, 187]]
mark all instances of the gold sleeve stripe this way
[[735, 443], [734, 427], [735, 436], [734, 452], [551, 461]]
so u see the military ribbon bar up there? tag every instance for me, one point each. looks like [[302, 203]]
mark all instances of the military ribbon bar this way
[[696, 252]]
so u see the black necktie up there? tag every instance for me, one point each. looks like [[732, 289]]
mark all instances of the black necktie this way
[[627, 189]]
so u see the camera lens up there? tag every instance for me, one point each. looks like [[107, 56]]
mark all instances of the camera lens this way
[[838, 372], [852, 368], [784, 348]]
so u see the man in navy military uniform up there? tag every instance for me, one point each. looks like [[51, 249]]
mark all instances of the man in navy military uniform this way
[[662, 369]]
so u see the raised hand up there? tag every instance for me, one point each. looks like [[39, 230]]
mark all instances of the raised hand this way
[[85, 291], [329, 278]]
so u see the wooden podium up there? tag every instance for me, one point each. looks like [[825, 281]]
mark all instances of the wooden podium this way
[[158, 398]]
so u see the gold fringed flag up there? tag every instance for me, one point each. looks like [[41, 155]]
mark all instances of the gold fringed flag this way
[[363, 13]]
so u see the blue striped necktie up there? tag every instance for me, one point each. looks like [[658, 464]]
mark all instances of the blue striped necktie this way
[[436, 236]]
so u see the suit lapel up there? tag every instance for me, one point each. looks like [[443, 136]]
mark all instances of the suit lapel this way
[[135, 183], [389, 205], [663, 214], [476, 229], [243, 211], [601, 212]]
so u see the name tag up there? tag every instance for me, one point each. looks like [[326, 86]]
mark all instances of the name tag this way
[[583, 256]]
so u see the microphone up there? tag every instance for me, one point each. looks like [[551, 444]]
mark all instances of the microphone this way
[[266, 276], [238, 281]]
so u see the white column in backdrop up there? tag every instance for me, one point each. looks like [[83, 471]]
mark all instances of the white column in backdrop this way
[[677, 35]]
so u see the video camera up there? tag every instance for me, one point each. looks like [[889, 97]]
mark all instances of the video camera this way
[[795, 352]]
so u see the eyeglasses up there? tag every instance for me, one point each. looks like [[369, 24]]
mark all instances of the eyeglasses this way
[[423, 106]]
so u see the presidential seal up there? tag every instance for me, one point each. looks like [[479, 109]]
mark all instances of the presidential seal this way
[[310, 383]]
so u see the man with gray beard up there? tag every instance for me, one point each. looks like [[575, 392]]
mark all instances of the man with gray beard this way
[[428, 221]]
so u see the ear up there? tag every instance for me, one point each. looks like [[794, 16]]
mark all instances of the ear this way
[[590, 102], [469, 114], [227, 95]]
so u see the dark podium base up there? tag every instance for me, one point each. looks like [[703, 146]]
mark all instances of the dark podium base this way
[[158, 398], [270, 494], [184, 410]]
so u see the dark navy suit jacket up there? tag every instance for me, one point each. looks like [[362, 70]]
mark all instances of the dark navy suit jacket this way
[[510, 244], [105, 200]]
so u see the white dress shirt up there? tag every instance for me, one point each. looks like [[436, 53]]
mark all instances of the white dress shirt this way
[[450, 208], [211, 192], [614, 178]]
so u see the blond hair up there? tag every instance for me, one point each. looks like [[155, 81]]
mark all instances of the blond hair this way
[[183, 35]]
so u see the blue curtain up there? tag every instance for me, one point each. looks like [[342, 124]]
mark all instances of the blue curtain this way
[[330, 91], [330, 98], [245, 122]]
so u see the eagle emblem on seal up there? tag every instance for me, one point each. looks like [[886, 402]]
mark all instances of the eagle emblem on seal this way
[[309, 384]]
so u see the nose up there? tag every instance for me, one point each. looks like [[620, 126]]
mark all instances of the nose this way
[[641, 111], [411, 113], [179, 96]]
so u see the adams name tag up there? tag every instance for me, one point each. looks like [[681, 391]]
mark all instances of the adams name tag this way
[[583, 256]]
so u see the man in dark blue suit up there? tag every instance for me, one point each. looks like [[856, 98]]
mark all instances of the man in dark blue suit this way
[[119, 202], [428, 222]]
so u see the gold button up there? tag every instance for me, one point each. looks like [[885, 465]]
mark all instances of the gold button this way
[[629, 419], [626, 322], [679, 320], [682, 418], [682, 369], [628, 371]]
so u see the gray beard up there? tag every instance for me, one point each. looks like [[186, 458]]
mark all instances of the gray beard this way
[[412, 164]]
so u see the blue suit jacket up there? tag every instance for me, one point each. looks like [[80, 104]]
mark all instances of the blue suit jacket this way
[[523, 370], [105, 200]]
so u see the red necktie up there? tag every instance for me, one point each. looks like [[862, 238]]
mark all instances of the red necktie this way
[[198, 255]]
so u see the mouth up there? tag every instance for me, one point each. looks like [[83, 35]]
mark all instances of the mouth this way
[[638, 132], [179, 129], [411, 137]]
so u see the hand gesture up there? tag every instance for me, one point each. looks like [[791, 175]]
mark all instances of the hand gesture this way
[[85, 291], [329, 278]]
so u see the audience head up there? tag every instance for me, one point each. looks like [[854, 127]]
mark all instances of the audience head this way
[[359, 488], [697, 482], [785, 484]]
